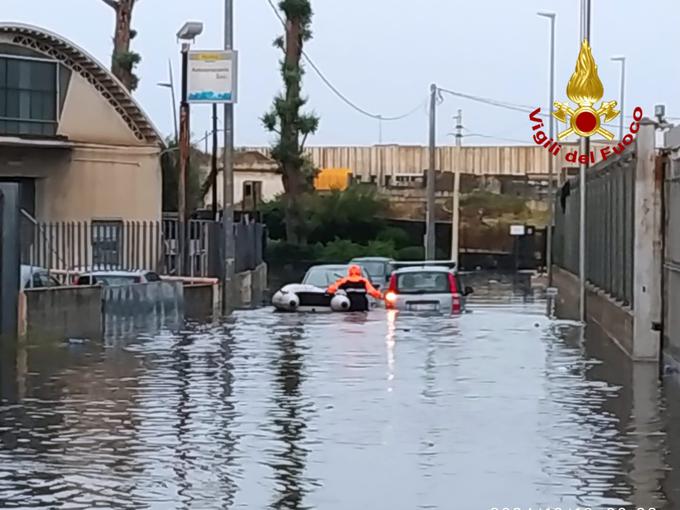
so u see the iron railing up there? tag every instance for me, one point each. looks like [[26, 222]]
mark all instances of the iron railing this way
[[610, 200], [135, 245]]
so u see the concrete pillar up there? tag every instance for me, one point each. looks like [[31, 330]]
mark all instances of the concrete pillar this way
[[647, 252]]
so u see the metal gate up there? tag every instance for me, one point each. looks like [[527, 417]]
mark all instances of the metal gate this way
[[671, 276]]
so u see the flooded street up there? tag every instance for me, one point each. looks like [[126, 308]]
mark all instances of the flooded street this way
[[501, 407]]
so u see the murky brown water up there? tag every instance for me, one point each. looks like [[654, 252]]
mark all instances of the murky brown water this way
[[502, 407]]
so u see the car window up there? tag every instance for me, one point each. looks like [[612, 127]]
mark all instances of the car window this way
[[374, 269], [323, 277], [116, 280], [425, 282], [85, 280]]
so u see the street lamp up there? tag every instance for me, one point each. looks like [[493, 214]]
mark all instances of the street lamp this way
[[189, 31], [551, 161], [171, 85], [623, 87]]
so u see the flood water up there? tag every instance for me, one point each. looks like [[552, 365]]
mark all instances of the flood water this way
[[501, 407]]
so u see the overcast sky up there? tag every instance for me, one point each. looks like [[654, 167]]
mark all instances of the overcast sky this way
[[383, 55]]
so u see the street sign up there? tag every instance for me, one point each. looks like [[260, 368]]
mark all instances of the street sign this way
[[517, 230], [212, 77]]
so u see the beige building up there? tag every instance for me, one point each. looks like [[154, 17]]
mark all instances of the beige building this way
[[70, 133]]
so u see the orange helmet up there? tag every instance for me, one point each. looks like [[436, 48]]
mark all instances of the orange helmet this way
[[354, 271]]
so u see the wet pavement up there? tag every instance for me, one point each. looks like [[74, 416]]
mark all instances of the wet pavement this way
[[501, 407]]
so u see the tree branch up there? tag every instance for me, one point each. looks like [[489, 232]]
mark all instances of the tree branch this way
[[111, 3]]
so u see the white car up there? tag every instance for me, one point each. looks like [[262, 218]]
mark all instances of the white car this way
[[115, 278], [428, 288], [34, 277]]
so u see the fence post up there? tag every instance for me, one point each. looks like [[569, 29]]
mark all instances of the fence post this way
[[647, 256]]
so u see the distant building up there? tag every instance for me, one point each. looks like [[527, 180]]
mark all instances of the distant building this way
[[256, 179], [71, 135]]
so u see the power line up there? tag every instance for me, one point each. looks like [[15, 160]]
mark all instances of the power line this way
[[337, 92]]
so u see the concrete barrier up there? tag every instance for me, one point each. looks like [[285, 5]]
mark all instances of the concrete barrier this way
[[142, 307], [612, 318], [62, 312], [250, 287], [201, 301]]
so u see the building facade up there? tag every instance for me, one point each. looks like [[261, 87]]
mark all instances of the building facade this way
[[71, 135]]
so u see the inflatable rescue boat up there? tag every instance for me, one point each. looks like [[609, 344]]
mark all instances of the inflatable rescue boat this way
[[308, 298]]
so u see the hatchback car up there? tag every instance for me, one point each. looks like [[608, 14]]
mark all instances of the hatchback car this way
[[427, 288]]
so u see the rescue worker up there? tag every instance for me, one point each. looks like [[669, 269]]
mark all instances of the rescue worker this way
[[356, 287]]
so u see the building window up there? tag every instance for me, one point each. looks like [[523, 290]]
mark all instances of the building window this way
[[106, 243], [28, 96]]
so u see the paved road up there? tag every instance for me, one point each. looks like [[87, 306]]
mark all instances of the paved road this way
[[502, 407]]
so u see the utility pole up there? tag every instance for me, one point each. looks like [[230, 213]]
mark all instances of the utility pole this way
[[585, 149], [213, 162], [455, 211], [228, 173], [430, 232]]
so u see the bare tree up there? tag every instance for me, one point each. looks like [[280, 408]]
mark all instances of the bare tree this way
[[123, 61]]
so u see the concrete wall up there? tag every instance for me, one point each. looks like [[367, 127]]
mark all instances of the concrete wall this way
[[64, 312], [403, 159], [610, 317]]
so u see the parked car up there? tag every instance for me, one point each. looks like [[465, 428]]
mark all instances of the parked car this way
[[115, 278], [432, 288], [34, 277], [379, 269]]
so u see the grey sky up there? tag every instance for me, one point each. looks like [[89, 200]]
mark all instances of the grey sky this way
[[383, 54]]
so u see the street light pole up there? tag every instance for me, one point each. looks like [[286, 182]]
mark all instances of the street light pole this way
[[430, 232], [585, 149], [455, 206], [171, 85], [623, 88], [228, 174], [184, 149], [551, 161]]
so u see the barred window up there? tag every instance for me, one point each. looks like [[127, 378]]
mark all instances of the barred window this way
[[28, 96]]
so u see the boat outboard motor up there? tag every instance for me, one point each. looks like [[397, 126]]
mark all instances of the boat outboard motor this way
[[340, 303]]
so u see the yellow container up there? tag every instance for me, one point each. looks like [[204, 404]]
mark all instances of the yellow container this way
[[328, 179]]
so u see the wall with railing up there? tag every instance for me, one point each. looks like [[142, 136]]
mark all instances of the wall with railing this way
[[133, 245]]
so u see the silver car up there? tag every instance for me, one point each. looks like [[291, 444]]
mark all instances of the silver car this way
[[427, 288]]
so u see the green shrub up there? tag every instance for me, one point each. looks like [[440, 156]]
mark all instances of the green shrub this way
[[280, 252], [341, 251], [397, 236], [411, 253]]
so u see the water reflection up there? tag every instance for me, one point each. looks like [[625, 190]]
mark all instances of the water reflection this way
[[499, 407]]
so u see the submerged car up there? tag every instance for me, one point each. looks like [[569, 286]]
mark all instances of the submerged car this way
[[115, 278], [311, 295], [378, 269], [425, 287]]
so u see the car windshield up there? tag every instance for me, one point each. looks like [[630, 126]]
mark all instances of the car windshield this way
[[323, 277], [425, 282], [374, 269]]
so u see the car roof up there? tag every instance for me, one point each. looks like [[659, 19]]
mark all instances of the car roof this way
[[424, 268], [330, 267], [372, 259], [114, 273]]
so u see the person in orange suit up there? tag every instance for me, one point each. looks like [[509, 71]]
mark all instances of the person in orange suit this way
[[356, 287]]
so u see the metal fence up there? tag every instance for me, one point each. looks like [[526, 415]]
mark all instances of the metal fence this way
[[671, 283], [133, 245], [610, 199]]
